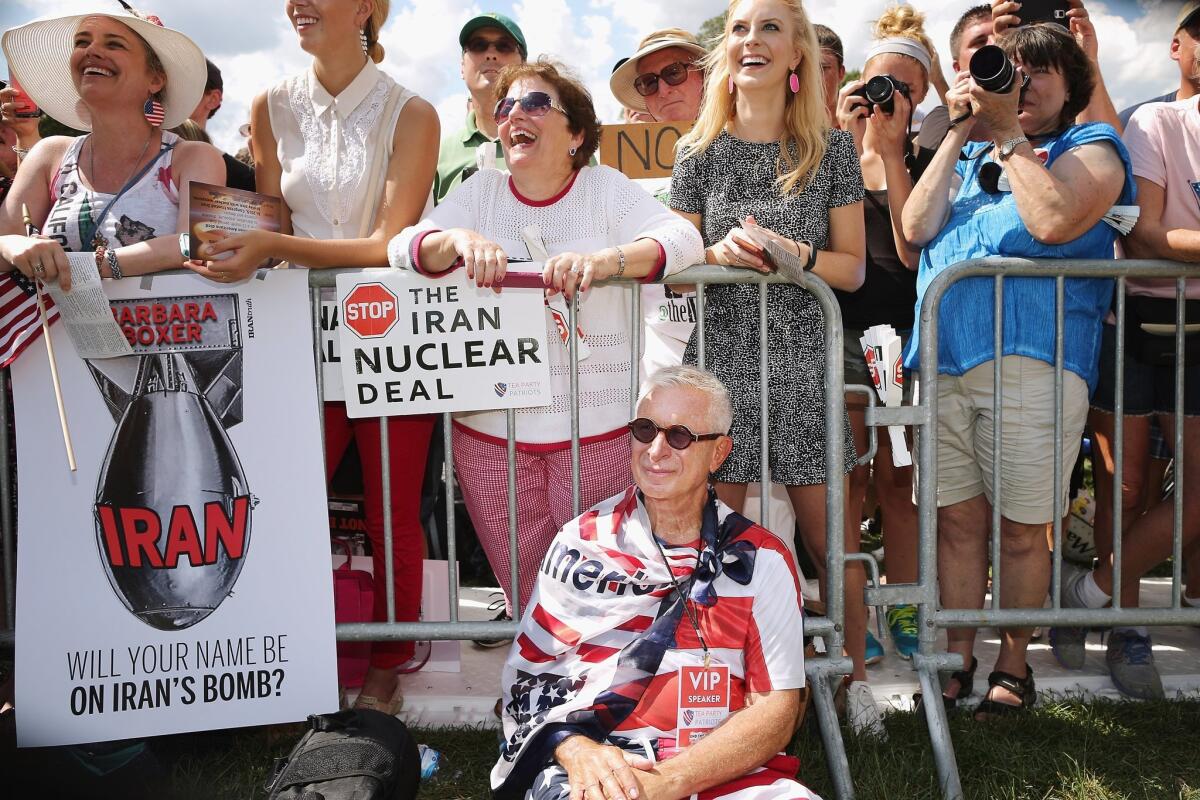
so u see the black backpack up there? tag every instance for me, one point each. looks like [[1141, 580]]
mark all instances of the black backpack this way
[[359, 754]]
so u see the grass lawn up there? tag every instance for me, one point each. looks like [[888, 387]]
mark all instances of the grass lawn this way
[[1063, 750]]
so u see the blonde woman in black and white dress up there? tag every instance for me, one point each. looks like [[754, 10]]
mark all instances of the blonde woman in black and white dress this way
[[762, 150]]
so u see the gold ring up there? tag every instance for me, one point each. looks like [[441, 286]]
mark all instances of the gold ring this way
[[39, 269]]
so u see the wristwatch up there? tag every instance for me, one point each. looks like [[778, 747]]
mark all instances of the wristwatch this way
[[1007, 148]]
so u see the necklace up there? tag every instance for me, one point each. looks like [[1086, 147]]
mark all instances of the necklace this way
[[688, 607], [98, 239]]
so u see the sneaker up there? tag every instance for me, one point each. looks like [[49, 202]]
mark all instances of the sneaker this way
[[862, 712], [1131, 665], [1067, 643], [874, 652], [503, 616], [902, 622]]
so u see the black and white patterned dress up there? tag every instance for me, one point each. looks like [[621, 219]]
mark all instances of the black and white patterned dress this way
[[726, 182]]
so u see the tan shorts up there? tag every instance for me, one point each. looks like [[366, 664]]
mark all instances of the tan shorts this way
[[965, 430]]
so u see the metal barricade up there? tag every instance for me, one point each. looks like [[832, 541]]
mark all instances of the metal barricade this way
[[924, 594], [823, 672]]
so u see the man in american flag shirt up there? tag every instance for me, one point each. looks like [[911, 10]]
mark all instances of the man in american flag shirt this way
[[662, 652]]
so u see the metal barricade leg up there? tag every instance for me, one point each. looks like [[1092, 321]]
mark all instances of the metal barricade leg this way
[[939, 730], [831, 736]]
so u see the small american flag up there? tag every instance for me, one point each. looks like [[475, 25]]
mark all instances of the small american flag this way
[[20, 321]]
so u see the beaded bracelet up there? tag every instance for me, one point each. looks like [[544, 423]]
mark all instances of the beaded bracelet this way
[[100, 250]]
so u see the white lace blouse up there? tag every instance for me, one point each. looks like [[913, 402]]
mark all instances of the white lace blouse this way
[[334, 151]]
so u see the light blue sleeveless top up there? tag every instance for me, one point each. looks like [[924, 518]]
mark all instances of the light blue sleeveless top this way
[[982, 225]]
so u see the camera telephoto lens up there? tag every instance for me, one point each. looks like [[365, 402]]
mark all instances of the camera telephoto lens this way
[[992, 70]]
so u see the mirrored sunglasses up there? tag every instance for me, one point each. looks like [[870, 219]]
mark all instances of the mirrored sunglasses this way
[[680, 437], [674, 74], [535, 104]]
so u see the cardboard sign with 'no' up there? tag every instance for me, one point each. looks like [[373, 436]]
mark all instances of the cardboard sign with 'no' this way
[[642, 149]]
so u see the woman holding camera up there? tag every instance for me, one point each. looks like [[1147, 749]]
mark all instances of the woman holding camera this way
[[897, 76], [1039, 189]]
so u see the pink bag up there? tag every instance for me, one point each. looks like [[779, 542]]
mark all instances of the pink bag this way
[[353, 601]]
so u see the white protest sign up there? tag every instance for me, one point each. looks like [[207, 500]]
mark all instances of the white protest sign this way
[[179, 580], [415, 345]]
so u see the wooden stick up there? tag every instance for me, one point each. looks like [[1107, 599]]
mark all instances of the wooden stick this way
[[58, 393]]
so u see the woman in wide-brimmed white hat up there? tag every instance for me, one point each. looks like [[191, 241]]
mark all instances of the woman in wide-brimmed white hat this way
[[125, 79]]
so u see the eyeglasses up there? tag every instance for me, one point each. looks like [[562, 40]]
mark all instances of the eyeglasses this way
[[535, 104], [478, 45], [680, 437], [674, 74]]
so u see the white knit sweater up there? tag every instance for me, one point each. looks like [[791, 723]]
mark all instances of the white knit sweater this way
[[600, 209]]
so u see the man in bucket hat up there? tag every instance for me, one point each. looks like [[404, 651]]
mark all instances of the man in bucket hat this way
[[663, 78]]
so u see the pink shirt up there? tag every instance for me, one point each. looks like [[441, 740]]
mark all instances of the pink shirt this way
[[1164, 143]]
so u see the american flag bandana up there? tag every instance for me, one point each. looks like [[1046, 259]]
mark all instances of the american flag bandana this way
[[601, 617]]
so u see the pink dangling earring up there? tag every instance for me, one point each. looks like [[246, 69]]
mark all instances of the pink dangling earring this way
[[154, 112], [794, 83], [731, 84]]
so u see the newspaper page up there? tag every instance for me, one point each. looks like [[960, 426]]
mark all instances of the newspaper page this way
[[85, 312]]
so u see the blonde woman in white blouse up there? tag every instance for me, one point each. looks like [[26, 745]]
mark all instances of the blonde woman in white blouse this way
[[353, 155]]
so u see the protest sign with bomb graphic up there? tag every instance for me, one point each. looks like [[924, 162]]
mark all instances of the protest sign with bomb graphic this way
[[179, 580], [173, 506]]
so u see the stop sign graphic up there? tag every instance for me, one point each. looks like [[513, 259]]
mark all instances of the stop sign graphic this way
[[369, 310]]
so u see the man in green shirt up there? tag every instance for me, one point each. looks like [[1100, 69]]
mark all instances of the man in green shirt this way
[[489, 43]]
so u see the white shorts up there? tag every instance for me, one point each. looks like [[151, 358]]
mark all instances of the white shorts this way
[[965, 431]]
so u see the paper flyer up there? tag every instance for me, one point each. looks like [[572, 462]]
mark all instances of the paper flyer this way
[[214, 212], [85, 312], [881, 349]]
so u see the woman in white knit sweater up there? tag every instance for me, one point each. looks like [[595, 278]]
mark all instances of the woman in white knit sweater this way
[[594, 224]]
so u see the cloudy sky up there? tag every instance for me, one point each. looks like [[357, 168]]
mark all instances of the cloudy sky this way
[[254, 45]]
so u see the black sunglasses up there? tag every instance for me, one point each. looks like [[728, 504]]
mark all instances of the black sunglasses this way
[[535, 104], [478, 45], [680, 437], [674, 74]]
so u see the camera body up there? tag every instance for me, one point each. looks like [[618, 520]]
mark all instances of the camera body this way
[[992, 70], [1034, 11], [881, 91]]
